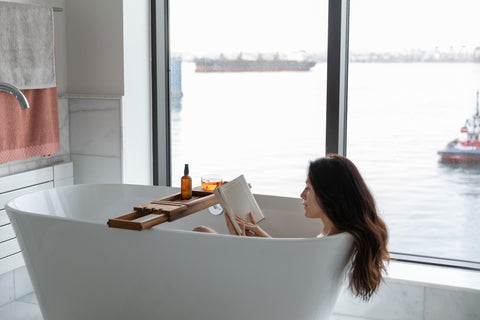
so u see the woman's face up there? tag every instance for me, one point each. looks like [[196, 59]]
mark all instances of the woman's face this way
[[310, 203]]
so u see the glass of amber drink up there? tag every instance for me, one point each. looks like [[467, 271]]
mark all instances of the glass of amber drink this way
[[211, 181]]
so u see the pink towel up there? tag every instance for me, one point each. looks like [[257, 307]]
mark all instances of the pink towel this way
[[31, 132]]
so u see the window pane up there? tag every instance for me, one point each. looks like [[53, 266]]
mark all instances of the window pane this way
[[413, 76], [248, 90]]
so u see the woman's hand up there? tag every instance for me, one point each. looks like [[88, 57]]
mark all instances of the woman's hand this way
[[250, 228], [231, 228]]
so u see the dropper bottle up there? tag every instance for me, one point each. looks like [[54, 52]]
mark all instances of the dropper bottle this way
[[186, 184]]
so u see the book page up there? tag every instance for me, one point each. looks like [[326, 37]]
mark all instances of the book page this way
[[237, 200]]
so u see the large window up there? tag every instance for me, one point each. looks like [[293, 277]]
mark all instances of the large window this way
[[413, 72], [413, 75], [247, 90]]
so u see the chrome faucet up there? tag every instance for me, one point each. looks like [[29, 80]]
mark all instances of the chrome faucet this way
[[16, 93]]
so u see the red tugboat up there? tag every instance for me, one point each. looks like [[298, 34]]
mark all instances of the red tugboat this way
[[465, 150]]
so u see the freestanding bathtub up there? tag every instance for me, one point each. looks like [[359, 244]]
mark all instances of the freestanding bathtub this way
[[82, 269]]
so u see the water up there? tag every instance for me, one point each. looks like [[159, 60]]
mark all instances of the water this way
[[269, 125]]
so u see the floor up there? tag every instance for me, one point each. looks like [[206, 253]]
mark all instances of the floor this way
[[26, 308]]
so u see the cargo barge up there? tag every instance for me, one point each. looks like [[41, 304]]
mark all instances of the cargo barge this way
[[259, 65]]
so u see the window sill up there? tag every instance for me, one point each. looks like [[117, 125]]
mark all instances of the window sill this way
[[433, 276]]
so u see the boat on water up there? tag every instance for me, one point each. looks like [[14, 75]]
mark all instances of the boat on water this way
[[466, 150], [258, 65]]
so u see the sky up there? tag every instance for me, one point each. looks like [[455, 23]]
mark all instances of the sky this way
[[411, 24], [248, 25], [301, 25]]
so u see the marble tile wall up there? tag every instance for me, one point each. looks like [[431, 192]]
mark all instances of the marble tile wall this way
[[451, 304], [96, 139], [412, 301], [393, 301]]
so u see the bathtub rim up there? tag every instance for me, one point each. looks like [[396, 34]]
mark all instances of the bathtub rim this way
[[11, 209]]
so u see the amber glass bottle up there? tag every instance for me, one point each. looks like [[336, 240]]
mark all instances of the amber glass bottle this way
[[186, 184]]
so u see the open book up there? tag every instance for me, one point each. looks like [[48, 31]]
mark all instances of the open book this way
[[237, 200]]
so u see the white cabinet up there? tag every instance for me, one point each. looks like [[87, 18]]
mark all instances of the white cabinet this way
[[15, 185]]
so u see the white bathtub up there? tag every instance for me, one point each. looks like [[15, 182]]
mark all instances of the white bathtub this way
[[82, 269]]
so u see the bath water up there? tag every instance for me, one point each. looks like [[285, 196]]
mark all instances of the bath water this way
[[268, 125]]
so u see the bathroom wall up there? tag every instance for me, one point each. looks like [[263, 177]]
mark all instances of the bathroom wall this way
[[63, 102], [95, 47], [96, 139], [137, 111], [108, 50], [98, 43], [61, 72], [60, 50], [103, 73], [398, 299]]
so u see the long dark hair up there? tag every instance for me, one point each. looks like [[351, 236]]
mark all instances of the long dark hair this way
[[346, 200]]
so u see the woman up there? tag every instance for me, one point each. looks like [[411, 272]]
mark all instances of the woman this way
[[336, 193]]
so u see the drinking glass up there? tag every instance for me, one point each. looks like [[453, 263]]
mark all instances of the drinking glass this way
[[209, 183]]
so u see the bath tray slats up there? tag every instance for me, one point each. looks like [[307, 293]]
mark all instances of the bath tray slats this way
[[124, 222], [166, 209]]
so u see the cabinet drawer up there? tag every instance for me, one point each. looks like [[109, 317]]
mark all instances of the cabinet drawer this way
[[11, 262], [6, 233], [4, 218], [9, 247], [25, 179], [7, 196]]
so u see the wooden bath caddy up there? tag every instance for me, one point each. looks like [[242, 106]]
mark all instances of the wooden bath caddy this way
[[166, 209]]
